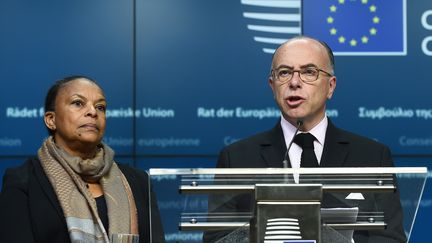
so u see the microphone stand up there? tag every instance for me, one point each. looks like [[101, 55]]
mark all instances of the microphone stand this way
[[285, 161]]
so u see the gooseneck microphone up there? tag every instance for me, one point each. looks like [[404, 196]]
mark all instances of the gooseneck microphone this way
[[285, 161]]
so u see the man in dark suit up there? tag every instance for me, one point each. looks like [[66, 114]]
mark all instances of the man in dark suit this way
[[302, 80]]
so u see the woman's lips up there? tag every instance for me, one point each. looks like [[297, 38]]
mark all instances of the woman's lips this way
[[90, 126]]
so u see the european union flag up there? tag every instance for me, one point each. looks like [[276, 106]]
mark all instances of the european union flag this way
[[357, 27]]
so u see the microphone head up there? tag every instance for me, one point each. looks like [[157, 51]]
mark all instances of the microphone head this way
[[299, 123]]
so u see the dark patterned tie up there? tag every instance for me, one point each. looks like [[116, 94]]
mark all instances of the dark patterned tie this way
[[308, 157]]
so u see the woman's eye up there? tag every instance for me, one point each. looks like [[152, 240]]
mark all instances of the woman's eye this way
[[101, 108], [78, 103]]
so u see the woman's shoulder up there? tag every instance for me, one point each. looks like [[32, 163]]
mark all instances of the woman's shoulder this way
[[19, 175], [137, 179], [132, 172]]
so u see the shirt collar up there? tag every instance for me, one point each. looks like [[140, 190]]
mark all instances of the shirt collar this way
[[318, 131]]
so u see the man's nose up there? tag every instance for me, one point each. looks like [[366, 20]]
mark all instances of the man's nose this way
[[295, 80]]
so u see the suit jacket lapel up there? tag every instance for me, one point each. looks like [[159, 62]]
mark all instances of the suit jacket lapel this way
[[47, 187], [273, 148], [336, 147], [139, 190]]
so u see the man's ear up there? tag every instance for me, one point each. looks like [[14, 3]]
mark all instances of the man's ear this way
[[49, 119], [271, 83], [332, 87]]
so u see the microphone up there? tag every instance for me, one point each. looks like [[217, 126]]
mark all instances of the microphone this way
[[285, 161]]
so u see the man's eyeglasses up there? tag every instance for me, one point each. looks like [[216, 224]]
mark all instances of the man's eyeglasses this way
[[307, 75]]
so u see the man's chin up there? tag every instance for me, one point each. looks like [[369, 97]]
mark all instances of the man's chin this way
[[294, 115]]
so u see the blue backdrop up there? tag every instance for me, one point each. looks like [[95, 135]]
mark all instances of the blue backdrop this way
[[184, 78]]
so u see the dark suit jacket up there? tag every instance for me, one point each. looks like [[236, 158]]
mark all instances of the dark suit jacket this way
[[30, 211], [341, 149]]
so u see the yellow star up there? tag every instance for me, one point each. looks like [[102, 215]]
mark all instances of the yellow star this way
[[375, 20], [333, 8], [330, 20], [372, 8], [333, 31], [341, 1], [364, 39], [364, 1], [353, 42], [373, 31], [341, 39]]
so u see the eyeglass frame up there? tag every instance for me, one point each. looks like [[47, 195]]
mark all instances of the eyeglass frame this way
[[273, 73]]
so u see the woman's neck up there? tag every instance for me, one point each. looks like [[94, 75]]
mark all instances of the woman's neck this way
[[87, 151]]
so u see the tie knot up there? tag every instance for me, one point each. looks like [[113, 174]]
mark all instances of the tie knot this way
[[304, 140]]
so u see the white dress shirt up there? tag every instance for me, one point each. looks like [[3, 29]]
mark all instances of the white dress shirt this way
[[295, 151]]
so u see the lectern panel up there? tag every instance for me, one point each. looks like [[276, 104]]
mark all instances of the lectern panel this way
[[271, 205]]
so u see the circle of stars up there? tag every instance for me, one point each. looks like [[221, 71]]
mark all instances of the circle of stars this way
[[353, 42]]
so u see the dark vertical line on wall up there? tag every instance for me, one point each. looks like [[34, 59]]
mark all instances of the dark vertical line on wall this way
[[134, 80], [301, 18]]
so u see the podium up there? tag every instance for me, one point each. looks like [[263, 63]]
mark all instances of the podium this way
[[278, 205]]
